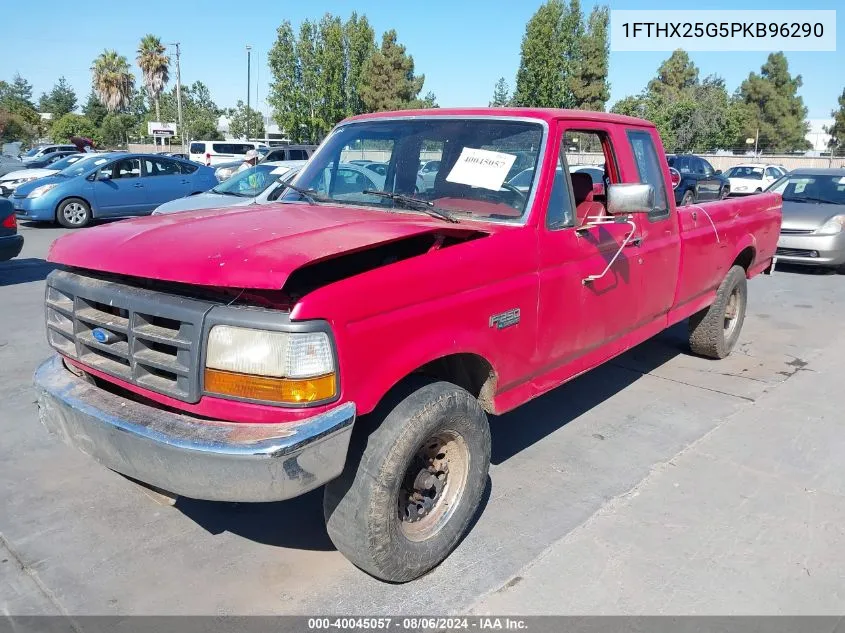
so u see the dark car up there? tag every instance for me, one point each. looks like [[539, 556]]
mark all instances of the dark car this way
[[10, 242], [288, 152], [699, 182], [49, 159]]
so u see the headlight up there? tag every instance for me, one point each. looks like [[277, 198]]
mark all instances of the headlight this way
[[283, 367], [832, 227], [40, 191], [18, 181]]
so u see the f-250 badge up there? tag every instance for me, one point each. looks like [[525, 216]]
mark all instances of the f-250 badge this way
[[505, 319]]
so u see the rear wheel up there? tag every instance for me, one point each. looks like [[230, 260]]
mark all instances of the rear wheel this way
[[688, 199], [405, 500], [714, 331], [73, 213]]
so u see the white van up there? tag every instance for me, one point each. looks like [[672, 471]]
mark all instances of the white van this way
[[216, 152]]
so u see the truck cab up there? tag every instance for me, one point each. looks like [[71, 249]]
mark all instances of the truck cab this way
[[358, 338]]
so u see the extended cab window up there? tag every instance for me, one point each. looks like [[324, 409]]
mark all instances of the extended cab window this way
[[650, 171]]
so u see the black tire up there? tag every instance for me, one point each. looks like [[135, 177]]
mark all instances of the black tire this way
[[714, 331], [724, 192], [688, 198], [73, 213], [362, 507]]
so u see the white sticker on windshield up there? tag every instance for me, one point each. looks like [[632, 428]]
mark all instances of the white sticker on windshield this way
[[842, 181], [481, 168]]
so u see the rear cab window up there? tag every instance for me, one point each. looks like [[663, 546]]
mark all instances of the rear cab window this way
[[650, 171]]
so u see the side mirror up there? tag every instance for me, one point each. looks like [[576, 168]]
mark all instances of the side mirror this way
[[718, 171], [625, 198]]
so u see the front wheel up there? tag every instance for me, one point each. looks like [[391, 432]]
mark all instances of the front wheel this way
[[73, 213], [714, 331], [688, 199], [405, 500]]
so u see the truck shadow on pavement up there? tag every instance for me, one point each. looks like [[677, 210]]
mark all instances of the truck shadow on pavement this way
[[22, 271], [515, 431], [298, 523]]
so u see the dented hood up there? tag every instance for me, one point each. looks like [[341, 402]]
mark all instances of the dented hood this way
[[255, 247]]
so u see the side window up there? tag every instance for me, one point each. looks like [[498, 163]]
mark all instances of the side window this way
[[707, 167], [188, 168], [160, 167], [650, 171], [771, 172], [126, 168], [297, 154], [197, 148]]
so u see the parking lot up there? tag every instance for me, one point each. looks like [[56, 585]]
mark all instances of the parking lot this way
[[658, 483]]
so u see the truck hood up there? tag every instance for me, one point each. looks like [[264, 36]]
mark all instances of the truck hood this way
[[240, 247]]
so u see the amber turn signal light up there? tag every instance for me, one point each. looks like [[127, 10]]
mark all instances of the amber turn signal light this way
[[269, 389]]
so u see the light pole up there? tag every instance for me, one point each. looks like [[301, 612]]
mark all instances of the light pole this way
[[248, 83], [179, 96]]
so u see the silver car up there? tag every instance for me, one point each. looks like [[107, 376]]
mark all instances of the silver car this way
[[813, 228], [256, 185]]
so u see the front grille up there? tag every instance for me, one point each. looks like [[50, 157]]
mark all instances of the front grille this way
[[145, 337], [785, 231], [796, 252]]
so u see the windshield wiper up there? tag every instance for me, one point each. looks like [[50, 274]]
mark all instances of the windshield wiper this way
[[311, 196], [810, 199], [414, 203]]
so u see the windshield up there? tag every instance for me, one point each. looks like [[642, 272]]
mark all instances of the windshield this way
[[743, 171], [249, 182], [82, 167], [59, 165], [32, 152], [811, 188], [471, 161]]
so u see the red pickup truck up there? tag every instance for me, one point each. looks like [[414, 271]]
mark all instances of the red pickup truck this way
[[357, 331]]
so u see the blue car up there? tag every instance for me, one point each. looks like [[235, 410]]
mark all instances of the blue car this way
[[109, 186]]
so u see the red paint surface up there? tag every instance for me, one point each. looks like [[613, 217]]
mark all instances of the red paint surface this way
[[390, 321]]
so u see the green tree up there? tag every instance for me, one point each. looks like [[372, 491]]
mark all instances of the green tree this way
[[17, 95], [540, 79], [388, 81], [636, 106], [94, 110], [155, 67], [14, 127], [589, 85], [331, 60], [359, 44], [238, 118], [780, 114], [73, 125], [674, 76], [837, 130], [116, 128], [59, 101], [200, 114], [501, 94], [286, 95], [112, 80]]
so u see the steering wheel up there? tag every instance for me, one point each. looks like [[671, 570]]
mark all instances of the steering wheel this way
[[517, 203]]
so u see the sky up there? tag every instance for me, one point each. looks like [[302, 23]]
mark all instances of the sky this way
[[462, 46]]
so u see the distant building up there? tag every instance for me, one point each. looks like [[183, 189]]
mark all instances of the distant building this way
[[817, 137]]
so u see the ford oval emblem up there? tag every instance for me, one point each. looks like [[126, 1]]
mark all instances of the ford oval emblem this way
[[103, 336]]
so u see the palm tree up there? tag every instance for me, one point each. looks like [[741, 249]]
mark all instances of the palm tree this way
[[154, 64], [112, 80]]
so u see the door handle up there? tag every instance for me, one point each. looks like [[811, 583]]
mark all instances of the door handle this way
[[695, 215], [634, 241], [138, 185]]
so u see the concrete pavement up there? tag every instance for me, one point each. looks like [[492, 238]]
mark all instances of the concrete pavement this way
[[82, 540]]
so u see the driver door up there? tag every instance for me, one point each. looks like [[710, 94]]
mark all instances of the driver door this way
[[119, 188], [577, 319]]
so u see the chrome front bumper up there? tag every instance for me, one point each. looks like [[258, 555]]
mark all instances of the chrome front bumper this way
[[188, 456]]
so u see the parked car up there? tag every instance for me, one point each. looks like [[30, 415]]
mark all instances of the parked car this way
[[49, 159], [698, 181], [260, 184], [359, 339], [288, 153], [11, 242], [111, 185], [428, 172], [216, 152], [38, 152], [813, 229], [224, 171], [15, 179], [9, 164], [752, 177]]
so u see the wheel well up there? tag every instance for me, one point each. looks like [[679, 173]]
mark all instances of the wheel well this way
[[65, 199], [745, 258], [469, 371]]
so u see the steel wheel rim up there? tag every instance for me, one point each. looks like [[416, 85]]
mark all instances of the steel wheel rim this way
[[74, 213], [732, 312], [433, 485]]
